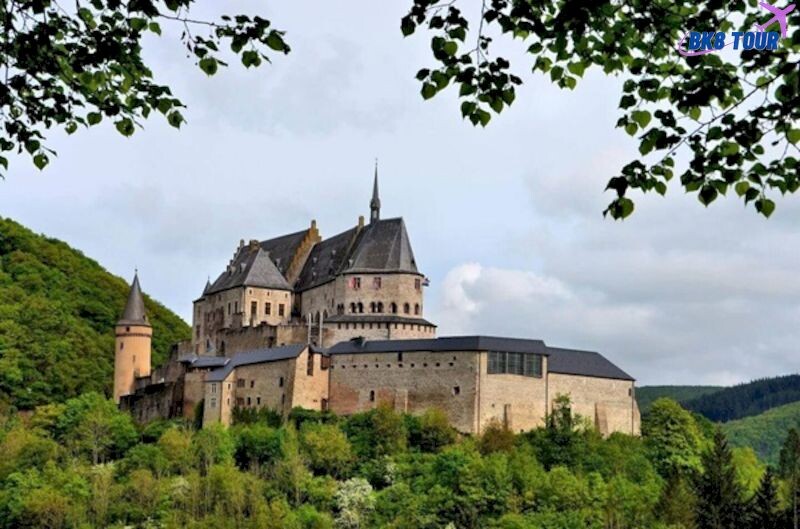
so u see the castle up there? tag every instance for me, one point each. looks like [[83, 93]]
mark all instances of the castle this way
[[337, 324]]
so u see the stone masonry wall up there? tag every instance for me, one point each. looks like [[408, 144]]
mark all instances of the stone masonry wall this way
[[517, 401], [608, 403]]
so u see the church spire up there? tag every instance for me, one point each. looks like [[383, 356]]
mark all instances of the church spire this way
[[134, 310], [375, 203]]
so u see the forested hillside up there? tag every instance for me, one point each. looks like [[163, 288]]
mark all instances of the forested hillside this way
[[746, 400], [645, 395], [57, 311], [764, 432]]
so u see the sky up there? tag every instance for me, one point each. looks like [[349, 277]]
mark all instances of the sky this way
[[505, 221]]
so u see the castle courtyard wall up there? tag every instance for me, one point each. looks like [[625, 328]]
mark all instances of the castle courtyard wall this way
[[516, 401]]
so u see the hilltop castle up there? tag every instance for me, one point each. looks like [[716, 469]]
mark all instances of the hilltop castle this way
[[337, 324]]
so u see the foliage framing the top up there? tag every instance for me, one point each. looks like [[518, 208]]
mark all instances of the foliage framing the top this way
[[57, 314], [737, 122]]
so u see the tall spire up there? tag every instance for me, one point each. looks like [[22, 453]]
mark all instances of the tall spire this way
[[134, 310], [375, 203]]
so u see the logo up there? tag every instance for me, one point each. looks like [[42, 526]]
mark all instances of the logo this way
[[696, 43]]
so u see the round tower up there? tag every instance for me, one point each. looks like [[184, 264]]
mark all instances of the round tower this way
[[133, 344]]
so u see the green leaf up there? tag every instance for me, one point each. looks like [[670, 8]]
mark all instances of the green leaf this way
[[467, 108], [742, 187], [155, 28], [641, 117], [428, 90], [497, 105], [509, 96], [138, 24], [631, 128], [765, 206], [484, 117], [694, 113], [175, 119], [407, 26], [450, 47], [40, 161], [251, 58], [125, 126], [32, 146], [707, 195], [577, 68], [71, 127], [208, 65], [93, 118], [793, 135], [275, 41], [556, 72]]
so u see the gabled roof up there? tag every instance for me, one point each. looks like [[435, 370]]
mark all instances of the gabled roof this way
[[258, 356], [583, 363], [282, 249], [251, 267], [134, 313], [383, 246], [326, 260]]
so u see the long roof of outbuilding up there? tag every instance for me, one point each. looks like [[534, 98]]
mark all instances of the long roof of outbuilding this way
[[560, 360], [258, 356]]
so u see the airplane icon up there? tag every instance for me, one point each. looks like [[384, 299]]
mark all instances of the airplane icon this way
[[780, 16]]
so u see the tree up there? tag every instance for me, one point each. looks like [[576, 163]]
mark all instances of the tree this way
[[354, 501], [763, 512], [328, 450], [672, 438], [73, 67], [735, 121], [719, 494], [789, 469]]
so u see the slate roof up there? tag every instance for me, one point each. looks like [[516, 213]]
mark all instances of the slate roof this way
[[381, 246], [584, 363], [257, 356], [134, 313], [204, 361], [251, 267], [445, 344]]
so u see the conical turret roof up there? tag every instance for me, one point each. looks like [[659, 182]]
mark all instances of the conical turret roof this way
[[134, 313]]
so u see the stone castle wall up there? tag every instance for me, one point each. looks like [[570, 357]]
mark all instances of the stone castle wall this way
[[609, 404], [515, 401]]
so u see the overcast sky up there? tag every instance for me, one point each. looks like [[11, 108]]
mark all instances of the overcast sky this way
[[505, 221]]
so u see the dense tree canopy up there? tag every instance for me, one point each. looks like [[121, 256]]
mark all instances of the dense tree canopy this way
[[318, 471], [719, 123]]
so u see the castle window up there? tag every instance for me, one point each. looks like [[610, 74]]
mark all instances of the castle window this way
[[456, 390], [360, 308], [399, 357], [393, 307], [213, 388], [356, 283], [248, 401], [267, 308], [310, 365], [258, 401], [372, 307], [240, 383], [497, 362], [197, 331], [533, 366], [338, 325], [229, 308], [380, 306], [121, 346], [280, 382], [253, 308], [213, 402], [372, 396], [324, 405], [236, 307], [281, 309], [252, 383], [352, 307], [127, 329], [406, 308], [418, 283], [416, 309], [376, 282], [283, 399]]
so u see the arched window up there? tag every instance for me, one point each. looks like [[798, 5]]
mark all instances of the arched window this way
[[380, 306], [372, 307], [360, 308], [393, 307], [372, 396], [325, 314], [416, 309], [353, 307], [406, 308]]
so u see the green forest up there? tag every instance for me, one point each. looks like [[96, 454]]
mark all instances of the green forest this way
[[84, 464], [57, 315]]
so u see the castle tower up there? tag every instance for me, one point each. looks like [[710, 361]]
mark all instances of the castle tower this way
[[133, 337], [375, 203]]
